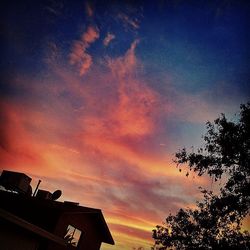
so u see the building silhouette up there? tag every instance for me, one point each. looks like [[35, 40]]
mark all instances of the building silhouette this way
[[39, 222]]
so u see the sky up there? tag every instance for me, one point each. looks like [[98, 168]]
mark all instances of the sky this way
[[97, 96]]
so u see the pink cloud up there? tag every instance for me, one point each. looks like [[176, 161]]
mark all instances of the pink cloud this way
[[96, 142], [90, 35], [79, 55], [137, 104], [108, 39], [125, 66]]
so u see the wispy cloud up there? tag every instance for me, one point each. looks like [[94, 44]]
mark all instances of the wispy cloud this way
[[109, 37], [54, 8], [79, 55], [89, 9], [98, 137], [104, 128], [129, 22]]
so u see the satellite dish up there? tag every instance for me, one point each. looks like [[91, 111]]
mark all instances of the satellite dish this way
[[56, 195]]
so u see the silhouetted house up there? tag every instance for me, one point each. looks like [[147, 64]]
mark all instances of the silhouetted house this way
[[40, 223]]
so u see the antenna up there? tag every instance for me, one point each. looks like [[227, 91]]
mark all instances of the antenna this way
[[34, 194], [56, 195]]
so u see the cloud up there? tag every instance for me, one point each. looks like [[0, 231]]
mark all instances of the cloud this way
[[125, 66], [137, 105], [79, 55], [128, 22], [90, 35], [94, 138], [18, 148], [53, 53], [108, 39], [206, 105], [89, 9], [140, 238], [54, 8]]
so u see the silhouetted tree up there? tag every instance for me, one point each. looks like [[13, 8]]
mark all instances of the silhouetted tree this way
[[216, 222]]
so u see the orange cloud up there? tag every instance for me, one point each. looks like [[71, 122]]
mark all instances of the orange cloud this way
[[14, 136], [135, 112], [135, 237], [95, 138], [90, 35], [78, 55], [125, 66]]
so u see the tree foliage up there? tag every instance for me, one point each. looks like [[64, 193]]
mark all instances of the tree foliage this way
[[216, 222]]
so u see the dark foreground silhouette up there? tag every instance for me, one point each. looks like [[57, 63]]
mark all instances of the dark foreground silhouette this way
[[216, 222]]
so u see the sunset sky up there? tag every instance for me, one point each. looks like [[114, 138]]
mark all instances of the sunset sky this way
[[97, 96]]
